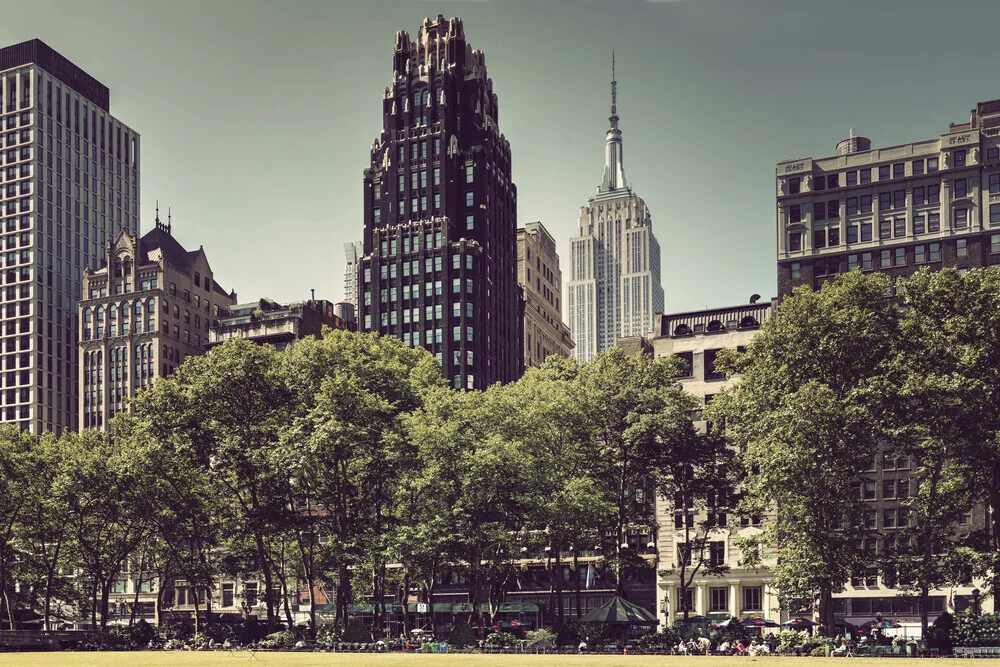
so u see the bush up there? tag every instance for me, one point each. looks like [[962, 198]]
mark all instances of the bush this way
[[976, 630], [940, 632], [329, 635], [500, 639], [220, 632], [788, 641], [357, 632], [142, 632], [811, 644], [818, 651], [280, 639], [542, 638], [461, 635], [659, 641]]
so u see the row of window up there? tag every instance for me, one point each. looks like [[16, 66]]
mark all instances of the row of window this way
[[887, 172], [718, 599]]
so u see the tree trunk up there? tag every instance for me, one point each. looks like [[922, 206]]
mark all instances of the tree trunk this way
[[135, 598], [268, 582], [197, 609], [404, 600], [924, 595], [343, 593], [105, 599], [559, 598], [826, 612], [6, 599]]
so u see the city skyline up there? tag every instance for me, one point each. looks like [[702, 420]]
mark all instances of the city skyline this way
[[256, 119]]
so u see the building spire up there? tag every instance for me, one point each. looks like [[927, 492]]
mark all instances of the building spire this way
[[614, 170], [157, 220]]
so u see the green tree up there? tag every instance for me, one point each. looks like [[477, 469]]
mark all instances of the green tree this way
[[225, 412], [15, 467], [802, 414], [639, 412], [346, 443]]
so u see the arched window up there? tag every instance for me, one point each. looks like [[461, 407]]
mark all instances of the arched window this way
[[716, 325], [749, 322], [682, 330], [113, 320], [150, 314], [100, 321]]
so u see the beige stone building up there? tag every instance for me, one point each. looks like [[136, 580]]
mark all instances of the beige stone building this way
[[696, 338], [141, 315], [540, 278]]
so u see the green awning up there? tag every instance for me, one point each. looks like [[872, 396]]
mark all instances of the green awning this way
[[518, 608]]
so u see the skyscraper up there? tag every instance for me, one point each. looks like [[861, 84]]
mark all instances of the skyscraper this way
[[440, 245], [614, 287], [541, 285], [70, 184]]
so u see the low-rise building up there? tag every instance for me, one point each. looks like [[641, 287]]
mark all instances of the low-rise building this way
[[147, 309], [267, 322]]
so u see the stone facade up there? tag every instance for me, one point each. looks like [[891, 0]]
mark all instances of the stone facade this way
[[540, 278], [148, 308], [439, 268], [614, 289]]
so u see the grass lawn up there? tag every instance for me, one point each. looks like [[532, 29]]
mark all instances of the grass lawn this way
[[210, 659]]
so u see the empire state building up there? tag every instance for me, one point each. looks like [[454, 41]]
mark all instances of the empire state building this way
[[614, 286]]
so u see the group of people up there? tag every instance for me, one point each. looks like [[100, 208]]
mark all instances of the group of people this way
[[765, 646]]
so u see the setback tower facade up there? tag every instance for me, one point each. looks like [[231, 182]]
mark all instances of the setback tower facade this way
[[69, 185], [439, 264], [614, 261]]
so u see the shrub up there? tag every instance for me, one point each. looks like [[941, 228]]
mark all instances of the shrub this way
[[818, 651], [976, 630], [789, 640], [280, 639], [658, 641], [462, 635], [142, 632], [329, 635], [500, 639], [542, 638], [356, 631]]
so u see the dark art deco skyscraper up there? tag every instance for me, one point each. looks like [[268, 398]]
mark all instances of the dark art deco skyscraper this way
[[440, 240], [70, 184]]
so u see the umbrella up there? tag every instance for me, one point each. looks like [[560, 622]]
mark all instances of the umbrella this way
[[800, 623], [881, 624], [758, 623]]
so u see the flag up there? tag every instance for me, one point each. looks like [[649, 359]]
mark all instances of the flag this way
[[951, 599], [590, 575]]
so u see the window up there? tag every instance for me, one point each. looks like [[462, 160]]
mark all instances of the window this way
[[852, 234], [795, 213], [932, 165], [886, 259], [899, 170], [900, 259], [919, 196], [832, 181], [719, 598], [852, 206], [795, 241], [959, 156], [852, 178], [866, 231], [899, 199], [962, 248], [717, 553], [796, 270], [833, 208], [794, 185], [820, 183], [883, 173], [866, 261], [961, 218], [752, 596], [993, 154], [935, 252], [687, 359], [852, 262], [819, 238], [866, 203], [819, 211], [885, 229], [933, 194], [227, 595], [918, 224], [868, 490], [994, 243], [994, 183], [866, 175], [959, 188], [711, 374], [470, 221], [899, 227], [468, 173], [469, 198], [833, 236], [917, 167], [920, 254], [884, 201], [934, 222]]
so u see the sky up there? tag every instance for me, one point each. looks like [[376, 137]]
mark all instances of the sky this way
[[256, 118]]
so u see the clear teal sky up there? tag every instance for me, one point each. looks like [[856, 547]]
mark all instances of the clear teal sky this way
[[257, 117]]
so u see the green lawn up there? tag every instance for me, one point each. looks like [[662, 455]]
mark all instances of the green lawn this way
[[177, 658]]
